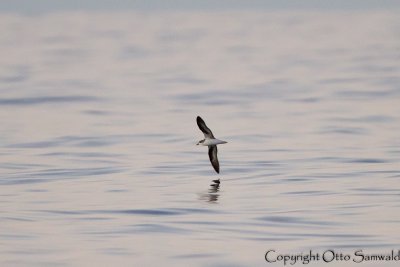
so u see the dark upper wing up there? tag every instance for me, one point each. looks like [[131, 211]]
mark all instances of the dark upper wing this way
[[212, 153], [203, 127]]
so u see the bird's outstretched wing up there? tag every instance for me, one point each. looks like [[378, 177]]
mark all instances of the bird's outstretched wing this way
[[203, 127], [212, 153]]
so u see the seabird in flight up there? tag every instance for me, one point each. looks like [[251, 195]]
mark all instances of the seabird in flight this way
[[210, 141]]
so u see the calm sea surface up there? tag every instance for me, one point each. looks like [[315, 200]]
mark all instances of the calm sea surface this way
[[98, 162]]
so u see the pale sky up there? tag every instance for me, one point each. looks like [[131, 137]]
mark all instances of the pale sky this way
[[44, 6]]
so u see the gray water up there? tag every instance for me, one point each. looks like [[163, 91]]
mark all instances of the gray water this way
[[99, 165]]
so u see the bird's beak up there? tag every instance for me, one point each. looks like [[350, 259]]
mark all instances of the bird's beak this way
[[197, 144]]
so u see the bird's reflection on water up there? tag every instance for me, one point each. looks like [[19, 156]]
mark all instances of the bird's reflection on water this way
[[213, 193]]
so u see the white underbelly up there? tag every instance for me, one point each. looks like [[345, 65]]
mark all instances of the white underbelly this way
[[211, 142]]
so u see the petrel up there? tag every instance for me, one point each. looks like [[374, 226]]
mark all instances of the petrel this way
[[210, 141]]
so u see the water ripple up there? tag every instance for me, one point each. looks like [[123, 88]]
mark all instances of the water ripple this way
[[293, 221], [49, 175], [150, 212], [26, 101]]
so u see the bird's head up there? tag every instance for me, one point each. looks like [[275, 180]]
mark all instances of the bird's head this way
[[200, 142]]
